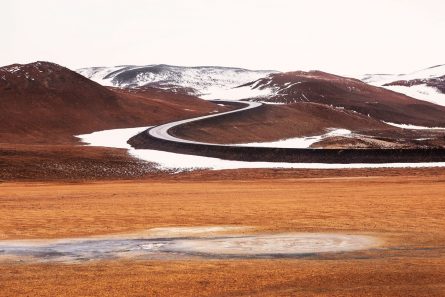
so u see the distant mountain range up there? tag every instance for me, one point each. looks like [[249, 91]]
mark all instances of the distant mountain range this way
[[211, 82], [372, 95], [205, 81]]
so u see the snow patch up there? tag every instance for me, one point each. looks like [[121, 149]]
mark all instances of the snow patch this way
[[13, 69], [238, 93], [421, 92], [413, 127], [381, 79], [299, 142], [99, 74], [115, 138]]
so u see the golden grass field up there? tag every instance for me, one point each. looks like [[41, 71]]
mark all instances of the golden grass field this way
[[406, 212]]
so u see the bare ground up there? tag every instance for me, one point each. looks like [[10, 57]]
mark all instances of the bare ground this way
[[406, 211]]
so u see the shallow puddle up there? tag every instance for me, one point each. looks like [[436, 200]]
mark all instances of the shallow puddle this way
[[184, 243]]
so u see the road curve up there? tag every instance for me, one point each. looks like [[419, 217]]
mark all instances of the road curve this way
[[158, 138], [161, 131]]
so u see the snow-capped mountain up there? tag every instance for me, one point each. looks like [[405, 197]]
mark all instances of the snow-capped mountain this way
[[207, 82], [426, 84]]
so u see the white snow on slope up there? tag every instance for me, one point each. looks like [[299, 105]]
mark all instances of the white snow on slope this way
[[300, 142], [207, 82], [381, 79], [421, 91], [117, 138], [413, 127], [98, 74], [223, 82], [237, 93]]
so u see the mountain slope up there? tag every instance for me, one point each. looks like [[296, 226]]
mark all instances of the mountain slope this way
[[206, 81], [274, 122], [352, 94], [427, 84], [46, 103]]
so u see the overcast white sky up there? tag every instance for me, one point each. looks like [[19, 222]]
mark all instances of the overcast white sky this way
[[339, 36]]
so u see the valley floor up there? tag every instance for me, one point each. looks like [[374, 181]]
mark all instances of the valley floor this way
[[404, 208]]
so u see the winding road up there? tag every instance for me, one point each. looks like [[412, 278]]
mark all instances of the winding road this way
[[159, 138], [161, 132]]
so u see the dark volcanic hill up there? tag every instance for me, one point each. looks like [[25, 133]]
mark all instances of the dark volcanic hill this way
[[352, 94], [44, 102]]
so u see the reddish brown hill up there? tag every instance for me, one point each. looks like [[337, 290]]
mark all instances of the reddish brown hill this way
[[274, 122], [320, 87], [45, 103]]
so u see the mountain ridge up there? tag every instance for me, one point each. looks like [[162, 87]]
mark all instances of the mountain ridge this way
[[194, 80], [45, 102]]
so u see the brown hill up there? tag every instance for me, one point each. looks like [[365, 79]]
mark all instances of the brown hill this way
[[316, 101], [352, 94], [274, 122], [46, 103]]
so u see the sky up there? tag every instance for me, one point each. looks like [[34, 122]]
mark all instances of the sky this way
[[347, 37]]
